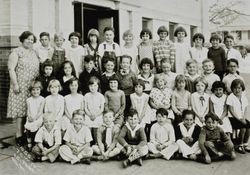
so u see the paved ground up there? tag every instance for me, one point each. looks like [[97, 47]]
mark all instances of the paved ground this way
[[13, 161]]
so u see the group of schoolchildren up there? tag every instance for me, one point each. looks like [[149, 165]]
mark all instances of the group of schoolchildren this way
[[101, 101]]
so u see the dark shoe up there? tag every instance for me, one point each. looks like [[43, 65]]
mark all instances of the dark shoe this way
[[86, 161], [247, 148], [233, 155], [241, 150], [18, 141], [139, 161], [37, 159], [125, 163]]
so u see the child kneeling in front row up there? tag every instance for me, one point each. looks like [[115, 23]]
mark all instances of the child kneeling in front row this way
[[77, 139], [187, 135], [133, 139], [107, 146], [162, 137], [213, 141], [48, 139]]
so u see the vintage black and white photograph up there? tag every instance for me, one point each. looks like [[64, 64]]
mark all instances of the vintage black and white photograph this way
[[124, 87]]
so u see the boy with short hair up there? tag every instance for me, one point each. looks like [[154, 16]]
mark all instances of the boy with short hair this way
[[162, 137], [45, 51], [187, 135], [133, 139], [48, 139], [77, 141], [89, 71], [230, 51], [208, 74], [108, 48], [107, 146], [213, 141]]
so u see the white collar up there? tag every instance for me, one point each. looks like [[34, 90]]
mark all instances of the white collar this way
[[131, 130], [185, 132]]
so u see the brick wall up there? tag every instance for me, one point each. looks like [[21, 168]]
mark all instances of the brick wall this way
[[4, 81], [7, 43]]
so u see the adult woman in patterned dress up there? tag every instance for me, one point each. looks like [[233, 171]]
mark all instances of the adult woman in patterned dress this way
[[23, 65]]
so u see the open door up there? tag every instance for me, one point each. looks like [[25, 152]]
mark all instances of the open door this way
[[89, 16], [108, 18]]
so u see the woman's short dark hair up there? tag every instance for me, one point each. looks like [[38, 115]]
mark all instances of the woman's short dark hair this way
[[146, 61], [70, 81], [215, 37], [139, 82], [162, 29], [180, 29], [25, 35], [146, 31], [237, 82], [198, 35], [76, 34], [218, 84]]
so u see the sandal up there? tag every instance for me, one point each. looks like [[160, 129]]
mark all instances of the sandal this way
[[241, 149]]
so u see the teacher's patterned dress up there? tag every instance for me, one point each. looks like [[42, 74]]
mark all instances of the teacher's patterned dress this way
[[27, 69]]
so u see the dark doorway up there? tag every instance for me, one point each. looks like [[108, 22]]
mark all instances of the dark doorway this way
[[89, 16]]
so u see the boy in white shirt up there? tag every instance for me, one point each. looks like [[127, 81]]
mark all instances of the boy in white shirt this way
[[162, 137], [108, 48], [77, 139], [48, 139], [45, 51]]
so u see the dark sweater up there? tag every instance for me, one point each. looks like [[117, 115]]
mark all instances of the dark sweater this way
[[125, 138], [195, 134], [45, 82], [127, 82], [219, 58]]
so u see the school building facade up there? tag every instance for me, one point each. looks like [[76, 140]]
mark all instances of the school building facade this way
[[66, 16]]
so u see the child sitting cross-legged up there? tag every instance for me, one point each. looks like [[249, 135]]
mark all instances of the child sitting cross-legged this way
[[187, 134], [107, 146], [213, 141], [77, 139], [162, 137], [48, 139], [133, 139]]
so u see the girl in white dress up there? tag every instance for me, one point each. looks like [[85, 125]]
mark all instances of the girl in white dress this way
[[130, 49], [198, 52], [200, 101], [73, 101], [35, 105], [94, 105], [54, 103], [217, 105], [182, 50], [139, 101]]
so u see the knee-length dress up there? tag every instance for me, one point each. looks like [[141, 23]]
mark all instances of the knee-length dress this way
[[27, 69]]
